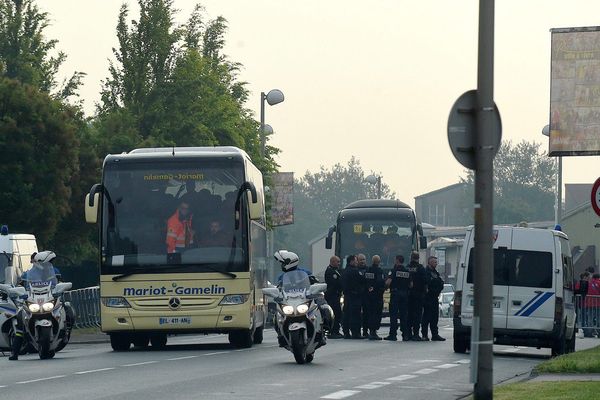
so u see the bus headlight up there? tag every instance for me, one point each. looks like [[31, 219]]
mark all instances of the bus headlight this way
[[233, 299], [116, 302], [47, 307], [287, 310], [302, 308], [34, 307]]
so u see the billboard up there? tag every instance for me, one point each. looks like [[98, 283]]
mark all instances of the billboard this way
[[575, 92], [282, 207]]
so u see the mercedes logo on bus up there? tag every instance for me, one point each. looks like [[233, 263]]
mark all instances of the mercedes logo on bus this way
[[174, 303]]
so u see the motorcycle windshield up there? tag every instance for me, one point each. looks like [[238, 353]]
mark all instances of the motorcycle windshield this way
[[295, 281], [41, 275]]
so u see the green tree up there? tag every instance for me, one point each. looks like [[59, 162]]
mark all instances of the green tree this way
[[39, 153], [332, 189], [524, 178], [25, 53], [171, 85]]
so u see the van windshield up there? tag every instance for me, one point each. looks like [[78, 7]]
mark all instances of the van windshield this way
[[518, 268]]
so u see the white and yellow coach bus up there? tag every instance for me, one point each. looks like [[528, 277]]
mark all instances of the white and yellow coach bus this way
[[182, 245]]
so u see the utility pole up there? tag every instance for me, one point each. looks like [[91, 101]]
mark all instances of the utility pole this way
[[482, 330]]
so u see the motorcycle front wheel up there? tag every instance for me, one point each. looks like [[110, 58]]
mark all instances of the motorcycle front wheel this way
[[299, 347], [45, 337]]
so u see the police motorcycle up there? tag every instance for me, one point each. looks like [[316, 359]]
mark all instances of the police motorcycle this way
[[42, 310], [298, 320], [8, 303]]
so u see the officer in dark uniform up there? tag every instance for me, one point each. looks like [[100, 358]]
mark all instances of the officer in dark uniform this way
[[375, 284], [399, 283], [362, 268], [352, 286], [416, 295], [431, 312], [333, 279]]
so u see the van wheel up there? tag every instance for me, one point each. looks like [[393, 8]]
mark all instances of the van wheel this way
[[460, 343], [560, 345], [571, 342]]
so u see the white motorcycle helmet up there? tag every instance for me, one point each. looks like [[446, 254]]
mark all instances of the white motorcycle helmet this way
[[289, 261], [44, 256]]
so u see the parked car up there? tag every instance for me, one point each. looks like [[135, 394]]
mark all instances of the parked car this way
[[445, 300]]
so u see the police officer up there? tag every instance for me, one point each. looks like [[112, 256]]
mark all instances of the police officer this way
[[416, 295], [362, 268], [375, 286], [352, 286], [431, 312], [399, 283], [333, 279]]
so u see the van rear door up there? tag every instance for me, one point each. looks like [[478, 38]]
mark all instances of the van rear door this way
[[531, 282], [500, 298]]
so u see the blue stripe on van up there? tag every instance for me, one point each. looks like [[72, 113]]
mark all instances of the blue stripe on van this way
[[528, 304], [537, 304]]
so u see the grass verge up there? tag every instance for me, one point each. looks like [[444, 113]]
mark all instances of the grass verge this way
[[548, 391], [585, 361]]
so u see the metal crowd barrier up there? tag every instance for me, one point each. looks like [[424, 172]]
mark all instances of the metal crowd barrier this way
[[86, 303], [588, 314]]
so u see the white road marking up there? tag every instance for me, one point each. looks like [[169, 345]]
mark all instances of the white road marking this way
[[446, 366], [427, 361], [93, 370], [39, 380], [401, 378], [372, 385], [425, 371], [140, 363], [464, 361], [181, 358], [342, 394], [218, 352]]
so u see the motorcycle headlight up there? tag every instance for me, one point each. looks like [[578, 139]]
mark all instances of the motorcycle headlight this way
[[287, 310], [302, 308], [47, 307], [34, 307]]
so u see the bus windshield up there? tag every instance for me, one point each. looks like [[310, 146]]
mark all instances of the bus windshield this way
[[173, 217], [371, 236]]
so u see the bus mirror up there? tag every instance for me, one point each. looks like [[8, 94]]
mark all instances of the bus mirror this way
[[91, 199], [420, 229], [250, 186], [329, 238], [91, 211], [423, 242]]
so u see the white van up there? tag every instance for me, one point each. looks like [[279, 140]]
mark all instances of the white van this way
[[15, 255], [533, 300]]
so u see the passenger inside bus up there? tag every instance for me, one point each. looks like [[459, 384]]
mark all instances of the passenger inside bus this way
[[216, 236]]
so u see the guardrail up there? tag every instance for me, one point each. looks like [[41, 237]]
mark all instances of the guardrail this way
[[588, 314], [86, 304]]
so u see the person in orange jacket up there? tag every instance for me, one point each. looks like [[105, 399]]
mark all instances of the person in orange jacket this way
[[180, 234]]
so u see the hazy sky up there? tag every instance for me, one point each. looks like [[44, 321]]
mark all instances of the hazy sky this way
[[374, 79]]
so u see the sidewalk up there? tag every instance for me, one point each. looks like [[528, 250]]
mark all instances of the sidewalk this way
[[86, 336]]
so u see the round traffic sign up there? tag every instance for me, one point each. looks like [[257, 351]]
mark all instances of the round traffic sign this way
[[596, 196], [462, 129]]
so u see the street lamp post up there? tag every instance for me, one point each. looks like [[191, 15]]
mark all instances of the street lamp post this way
[[558, 200], [375, 179], [275, 96]]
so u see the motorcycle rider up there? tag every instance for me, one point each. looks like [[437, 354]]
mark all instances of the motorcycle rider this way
[[289, 262]]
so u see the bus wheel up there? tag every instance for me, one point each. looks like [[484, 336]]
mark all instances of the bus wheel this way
[[241, 339], [158, 341], [141, 341], [120, 342], [258, 335]]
